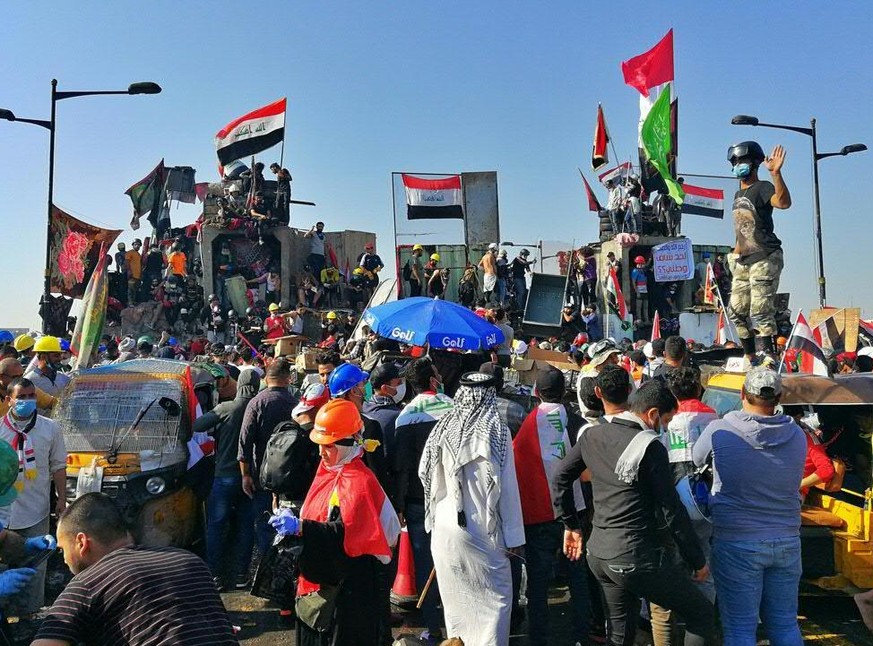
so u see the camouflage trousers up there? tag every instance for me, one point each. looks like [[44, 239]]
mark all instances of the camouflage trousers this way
[[753, 295]]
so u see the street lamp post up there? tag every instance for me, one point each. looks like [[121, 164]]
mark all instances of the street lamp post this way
[[747, 120], [537, 245], [8, 115]]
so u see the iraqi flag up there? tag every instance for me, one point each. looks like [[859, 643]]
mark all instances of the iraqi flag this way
[[593, 203], [802, 339], [615, 173], [709, 286], [251, 133], [433, 198], [541, 444], [721, 329], [600, 154], [614, 297], [656, 326], [651, 68], [708, 202], [829, 336]]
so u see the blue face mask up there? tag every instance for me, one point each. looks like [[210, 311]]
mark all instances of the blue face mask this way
[[24, 407], [741, 170]]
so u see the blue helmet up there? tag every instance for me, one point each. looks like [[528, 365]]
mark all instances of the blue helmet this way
[[65, 346], [172, 342], [6, 336], [344, 378]]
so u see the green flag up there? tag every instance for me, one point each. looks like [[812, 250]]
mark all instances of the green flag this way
[[147, 196], [655, 134]]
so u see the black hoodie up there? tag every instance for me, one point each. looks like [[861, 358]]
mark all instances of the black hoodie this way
[[224, 422]]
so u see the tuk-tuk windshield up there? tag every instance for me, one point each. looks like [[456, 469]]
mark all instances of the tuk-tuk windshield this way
[[722, 400]]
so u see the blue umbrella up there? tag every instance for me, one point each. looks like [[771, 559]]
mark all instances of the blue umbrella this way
[[442, 324]]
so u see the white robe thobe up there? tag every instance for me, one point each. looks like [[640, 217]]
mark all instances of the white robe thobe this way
[[472, 569]]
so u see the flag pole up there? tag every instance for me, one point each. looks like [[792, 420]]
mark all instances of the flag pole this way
[[721, 303], [394, 228], [793, 328]]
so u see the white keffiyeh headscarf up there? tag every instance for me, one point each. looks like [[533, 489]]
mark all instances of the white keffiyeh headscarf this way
[[471, 430]]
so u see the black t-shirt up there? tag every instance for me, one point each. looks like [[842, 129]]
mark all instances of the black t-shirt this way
[[753, 222], [519, 268], [139, 596]]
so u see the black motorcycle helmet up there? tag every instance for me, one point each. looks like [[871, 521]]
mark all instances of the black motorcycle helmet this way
[[746, 149]]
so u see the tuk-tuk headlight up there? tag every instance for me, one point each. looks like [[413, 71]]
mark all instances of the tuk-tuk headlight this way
[[156, 485]]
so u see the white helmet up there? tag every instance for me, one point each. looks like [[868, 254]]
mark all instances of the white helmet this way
[[233, 189], [492, 246]]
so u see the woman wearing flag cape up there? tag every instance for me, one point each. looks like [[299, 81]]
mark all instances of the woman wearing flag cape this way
[[347, 528]]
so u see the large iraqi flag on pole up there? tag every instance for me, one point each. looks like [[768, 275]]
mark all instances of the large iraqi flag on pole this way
[[251, 133], [802, 339], [433, 198], [614, 297], [708, 202]]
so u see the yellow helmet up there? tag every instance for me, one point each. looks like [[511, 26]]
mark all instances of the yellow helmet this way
[[359, 271], [47, 344], [23, 343], [331, 316], [417, 247], [435, 257], [273, 307]]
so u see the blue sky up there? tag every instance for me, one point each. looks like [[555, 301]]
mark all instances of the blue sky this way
[[376, 87]]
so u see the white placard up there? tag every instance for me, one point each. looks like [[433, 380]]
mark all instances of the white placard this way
[[673, 261]]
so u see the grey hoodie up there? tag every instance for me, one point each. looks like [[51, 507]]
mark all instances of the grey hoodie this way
[[758, 465]]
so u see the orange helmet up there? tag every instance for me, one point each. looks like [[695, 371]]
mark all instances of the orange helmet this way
[[337, 420], [781, 341]]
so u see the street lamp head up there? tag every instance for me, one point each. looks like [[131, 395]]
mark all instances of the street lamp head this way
[[853, 148], [144, 88], [7, 114], [744, 120], [506, 244]]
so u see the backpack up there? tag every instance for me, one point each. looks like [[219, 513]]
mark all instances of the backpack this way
[[290, 461], [407, 272]]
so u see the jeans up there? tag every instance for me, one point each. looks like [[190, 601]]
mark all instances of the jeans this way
[[626, 579], [228, 503], [543, 544], [520, 285], [317, 263], [615, 219], [753, 577], [421, 555], [262, 508], [500, 291]]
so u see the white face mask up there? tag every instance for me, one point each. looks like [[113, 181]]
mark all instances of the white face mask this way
[[400, 394]]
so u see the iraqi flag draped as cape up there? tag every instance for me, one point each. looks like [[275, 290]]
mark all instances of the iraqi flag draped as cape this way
[[370, 524]]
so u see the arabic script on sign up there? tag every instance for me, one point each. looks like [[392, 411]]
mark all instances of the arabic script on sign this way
[[673, 261]]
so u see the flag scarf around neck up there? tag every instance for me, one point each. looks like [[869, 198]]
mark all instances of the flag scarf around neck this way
[[615, 173], [650, 68], [433, 198], [708, 202], [657, 142], [89, 324], [614, 297], [370, 525], [656, 326], [802, 339], [593, 202], [74, 251], [600, 152], [251, 133], [541, 444], [147, 196]]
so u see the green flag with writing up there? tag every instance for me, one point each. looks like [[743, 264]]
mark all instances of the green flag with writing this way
[[655, 135]]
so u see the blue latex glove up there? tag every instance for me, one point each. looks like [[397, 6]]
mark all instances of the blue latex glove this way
[[13, 581], [285, 523], [33, 546]]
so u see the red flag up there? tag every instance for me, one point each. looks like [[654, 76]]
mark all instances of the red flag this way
[[347, 272], [651, 68], [593, 203], [656, 326], [802, 338], [708, 291], [720, 329], [614, 297], [600, 154], [200, 189]]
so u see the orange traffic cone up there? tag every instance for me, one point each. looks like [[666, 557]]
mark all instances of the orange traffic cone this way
[[404, 582]]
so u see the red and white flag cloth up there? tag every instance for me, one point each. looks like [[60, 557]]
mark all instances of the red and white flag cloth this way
[[721, 329], [829, 336], [614, 297], [709, 286], [371, 525], [622, 170], [251, 133], [593, 202], [650, 68], [433, 198], [802, 339], [600, 152], [541, 444], [656, 326], [708, 202]]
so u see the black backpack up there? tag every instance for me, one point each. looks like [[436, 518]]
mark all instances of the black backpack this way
[[407, 272], [290, 461]]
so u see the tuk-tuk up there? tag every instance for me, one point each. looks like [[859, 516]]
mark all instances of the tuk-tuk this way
[[837, 517], [126, 428]]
